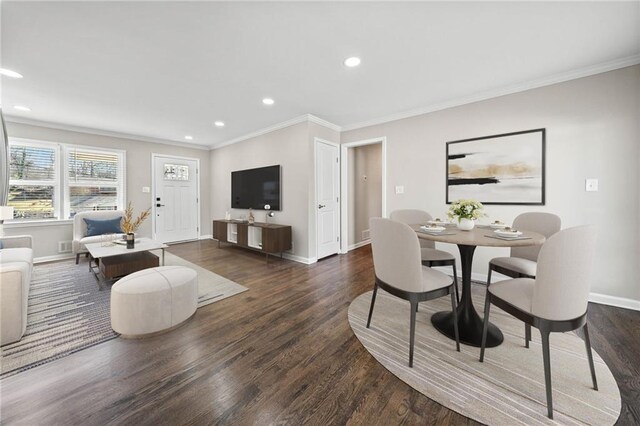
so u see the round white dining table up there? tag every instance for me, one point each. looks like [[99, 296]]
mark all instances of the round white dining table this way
[[469, 322]]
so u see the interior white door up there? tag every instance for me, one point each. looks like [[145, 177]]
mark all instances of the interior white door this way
[[175, 199], [328, 197]]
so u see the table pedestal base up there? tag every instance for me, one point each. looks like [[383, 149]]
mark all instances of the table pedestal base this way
[[469, 327]]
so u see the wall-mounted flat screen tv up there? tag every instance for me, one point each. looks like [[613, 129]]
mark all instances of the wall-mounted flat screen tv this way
[[254, 188]]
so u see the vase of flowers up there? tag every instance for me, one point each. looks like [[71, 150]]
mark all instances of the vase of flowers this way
[[129, 226], [466, 212]]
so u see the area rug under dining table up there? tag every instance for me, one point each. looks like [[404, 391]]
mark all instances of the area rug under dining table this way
[[508, 387], [67, 312]]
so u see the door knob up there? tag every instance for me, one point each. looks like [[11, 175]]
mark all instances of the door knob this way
[[321, 206], [159, 205]]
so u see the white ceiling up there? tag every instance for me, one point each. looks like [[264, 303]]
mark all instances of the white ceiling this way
[[165, 70]]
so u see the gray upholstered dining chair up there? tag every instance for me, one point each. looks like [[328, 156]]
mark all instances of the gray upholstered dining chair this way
[[398, 270], [523, 260], [429, 254], [556, 300]]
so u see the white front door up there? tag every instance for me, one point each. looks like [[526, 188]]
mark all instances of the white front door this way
[[175, 199], [328, 197]]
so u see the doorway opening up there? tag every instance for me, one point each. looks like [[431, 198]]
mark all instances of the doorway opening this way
[[363, 189]]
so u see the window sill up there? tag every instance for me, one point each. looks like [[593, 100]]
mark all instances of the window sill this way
[[38, 223]]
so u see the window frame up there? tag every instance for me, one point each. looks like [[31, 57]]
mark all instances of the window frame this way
[[55, 182], [120, 181], [61, 196]]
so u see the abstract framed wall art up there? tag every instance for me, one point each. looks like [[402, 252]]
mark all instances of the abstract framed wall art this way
[[498, 169]]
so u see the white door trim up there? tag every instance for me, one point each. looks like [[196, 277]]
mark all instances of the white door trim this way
[[153, 189], [344, 212], [315, 190]]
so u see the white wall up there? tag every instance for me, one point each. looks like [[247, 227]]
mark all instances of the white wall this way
[[365, 188], [292, 148], [592, 131], [138, 174]]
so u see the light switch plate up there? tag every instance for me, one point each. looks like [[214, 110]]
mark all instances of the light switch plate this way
[[146, 189], [591, 185], [399, 189]]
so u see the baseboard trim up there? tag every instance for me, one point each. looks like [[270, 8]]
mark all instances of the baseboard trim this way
[[618, 302], [358, 245], [205, 237], [44, 259], [300, 259]]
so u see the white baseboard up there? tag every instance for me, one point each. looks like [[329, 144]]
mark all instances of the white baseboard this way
[[358, 245], [619, 302], [205, 237], [55, 257], [300, 259]]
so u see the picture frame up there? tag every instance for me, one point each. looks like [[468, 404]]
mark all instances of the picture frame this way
[[502, 169]]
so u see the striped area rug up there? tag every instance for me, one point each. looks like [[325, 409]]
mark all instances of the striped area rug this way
[[508, 388], [68, 313]]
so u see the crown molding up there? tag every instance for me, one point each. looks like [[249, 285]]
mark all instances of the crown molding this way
[[324, 123], [100, 132], [305, 118], [508, 90]]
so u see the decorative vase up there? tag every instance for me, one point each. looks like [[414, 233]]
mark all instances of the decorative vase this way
[[131, 240], [465, 224]]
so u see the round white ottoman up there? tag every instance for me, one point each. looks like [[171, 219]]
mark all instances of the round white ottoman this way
[[153, 300]]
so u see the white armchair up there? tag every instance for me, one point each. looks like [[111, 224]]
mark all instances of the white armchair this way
[[80, 237], [16, 264]]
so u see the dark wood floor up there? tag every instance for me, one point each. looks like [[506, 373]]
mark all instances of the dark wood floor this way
[[280, 353]]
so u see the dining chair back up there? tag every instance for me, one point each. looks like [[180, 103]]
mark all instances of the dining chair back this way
[[563, 279], [413, 217], [396, 254], [546, 224]]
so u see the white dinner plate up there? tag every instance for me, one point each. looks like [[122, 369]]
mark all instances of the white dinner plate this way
[[440, 222], [507, 234], [434, 229], [498, 225]]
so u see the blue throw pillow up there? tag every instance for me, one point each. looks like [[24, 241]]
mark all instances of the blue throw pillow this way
[[101, 227]]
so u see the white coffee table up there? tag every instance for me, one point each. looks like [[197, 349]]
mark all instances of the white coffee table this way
[[99, 251]]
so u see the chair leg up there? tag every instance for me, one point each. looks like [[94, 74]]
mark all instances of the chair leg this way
[[412, 331], [455, 319], [77, 258], [527, 335], [485, 324], [547, 371], [373, 302], [489, 276], [587, 343], [455, 282]]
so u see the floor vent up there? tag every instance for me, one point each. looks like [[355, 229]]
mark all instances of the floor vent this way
[[365, 235], [64, 247]]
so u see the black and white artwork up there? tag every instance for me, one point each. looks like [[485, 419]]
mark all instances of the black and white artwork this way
[[498, 169]]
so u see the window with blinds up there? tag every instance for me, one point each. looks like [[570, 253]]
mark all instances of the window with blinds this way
[[51, 181], [93, 180], [33, 181]]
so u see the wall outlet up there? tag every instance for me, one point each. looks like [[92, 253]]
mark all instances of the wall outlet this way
[[591, 185], [399, 189], [366, 235], [146, 189]]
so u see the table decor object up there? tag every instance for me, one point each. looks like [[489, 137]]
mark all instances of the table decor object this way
[[128, 224], [466, 212]]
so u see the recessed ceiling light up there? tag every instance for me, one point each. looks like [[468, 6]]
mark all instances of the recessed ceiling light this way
[[189, 138], [352, 62], [9, 73], [21, 108], [219, 123], [268, 101]]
